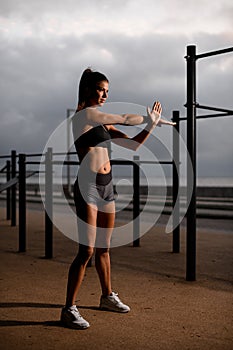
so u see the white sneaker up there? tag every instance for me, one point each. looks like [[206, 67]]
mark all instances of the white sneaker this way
[[113, 303], [71, 318]]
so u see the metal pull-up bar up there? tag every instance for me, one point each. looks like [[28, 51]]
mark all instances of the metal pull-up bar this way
[[191, 106], [191, 172], [214, 53]]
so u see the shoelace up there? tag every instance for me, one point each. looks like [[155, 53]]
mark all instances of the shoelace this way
[[75, 312], [115, 295]]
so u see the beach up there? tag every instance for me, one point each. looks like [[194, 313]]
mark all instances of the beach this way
[[166, 310]]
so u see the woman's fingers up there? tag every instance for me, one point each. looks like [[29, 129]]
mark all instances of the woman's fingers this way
[[155, 114], [166, 122], [157, 107]]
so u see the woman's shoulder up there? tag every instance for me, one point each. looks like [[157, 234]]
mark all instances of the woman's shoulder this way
[[86, 111]]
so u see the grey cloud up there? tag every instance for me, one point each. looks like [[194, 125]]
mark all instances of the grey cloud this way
[[33, 10], [39, 82]]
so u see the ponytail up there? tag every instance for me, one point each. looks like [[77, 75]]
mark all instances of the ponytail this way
[[87, 85]]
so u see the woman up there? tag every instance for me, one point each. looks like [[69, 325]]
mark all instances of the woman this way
[[93, 189]]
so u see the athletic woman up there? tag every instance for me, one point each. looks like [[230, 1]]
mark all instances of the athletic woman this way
[[93, 189]]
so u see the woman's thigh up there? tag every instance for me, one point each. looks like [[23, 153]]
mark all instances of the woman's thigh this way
[[87, 225], [105, 225]]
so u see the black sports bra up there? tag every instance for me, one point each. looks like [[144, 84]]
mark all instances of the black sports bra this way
[[98, 135]]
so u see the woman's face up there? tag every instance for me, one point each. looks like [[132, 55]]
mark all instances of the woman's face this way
[[100, 95]]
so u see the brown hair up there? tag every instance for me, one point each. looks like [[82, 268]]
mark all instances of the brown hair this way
[[87, 86]]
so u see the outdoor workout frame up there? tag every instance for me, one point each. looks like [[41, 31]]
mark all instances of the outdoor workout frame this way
[[191, 106]]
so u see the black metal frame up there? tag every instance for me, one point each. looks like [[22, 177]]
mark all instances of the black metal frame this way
[[48, 163], [191, 106]]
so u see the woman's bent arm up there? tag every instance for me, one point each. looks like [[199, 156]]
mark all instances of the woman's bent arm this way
[[132, 143]]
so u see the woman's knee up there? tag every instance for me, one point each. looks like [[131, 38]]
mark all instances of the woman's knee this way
[[100, 252], [85, 253]]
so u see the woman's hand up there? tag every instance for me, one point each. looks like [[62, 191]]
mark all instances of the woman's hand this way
[[154, 115]]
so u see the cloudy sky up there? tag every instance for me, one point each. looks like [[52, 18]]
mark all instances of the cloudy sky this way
[[140, 45]]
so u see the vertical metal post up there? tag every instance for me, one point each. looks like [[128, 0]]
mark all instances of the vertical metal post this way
[[22, 203], [8, 191], [136, 201], [13, 189], [48, 204], [191, 170], [175, 187], [68, 147]]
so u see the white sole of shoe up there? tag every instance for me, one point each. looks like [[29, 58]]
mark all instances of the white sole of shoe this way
[[105, 308]]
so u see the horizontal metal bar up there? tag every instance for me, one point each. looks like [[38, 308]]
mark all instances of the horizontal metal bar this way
[[215, 115], [214, 108], [5, 156], [60, 162], [213, 53], [35, 155], [113, 162], [156, 162], [63, 153]]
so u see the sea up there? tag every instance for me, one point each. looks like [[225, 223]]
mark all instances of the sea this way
[[151, 181]]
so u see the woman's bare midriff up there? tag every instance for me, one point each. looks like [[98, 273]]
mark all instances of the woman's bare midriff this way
[[96, 159]]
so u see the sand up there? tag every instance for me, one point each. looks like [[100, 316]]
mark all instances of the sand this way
[[167, 312]]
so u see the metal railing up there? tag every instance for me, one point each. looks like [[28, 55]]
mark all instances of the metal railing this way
[[21, 175]]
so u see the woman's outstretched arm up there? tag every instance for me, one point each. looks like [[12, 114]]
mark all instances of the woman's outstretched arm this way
[[93, 115]]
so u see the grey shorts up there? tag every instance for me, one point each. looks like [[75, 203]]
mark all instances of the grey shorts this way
[[94, 189]]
